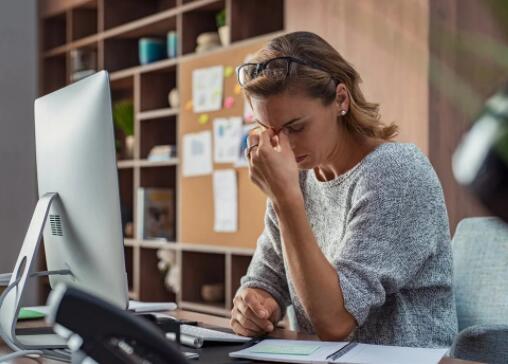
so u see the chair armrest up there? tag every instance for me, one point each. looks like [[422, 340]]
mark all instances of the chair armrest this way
[[483, 343]]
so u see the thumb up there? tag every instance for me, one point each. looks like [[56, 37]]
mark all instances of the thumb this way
[[256, 304]]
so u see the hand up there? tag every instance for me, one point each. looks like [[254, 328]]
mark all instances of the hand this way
[[272, 165], [255, 312]]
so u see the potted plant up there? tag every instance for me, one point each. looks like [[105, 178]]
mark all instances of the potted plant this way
[[123, 115], [222, 27]]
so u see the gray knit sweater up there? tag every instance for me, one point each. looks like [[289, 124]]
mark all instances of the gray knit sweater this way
[[383, 225]]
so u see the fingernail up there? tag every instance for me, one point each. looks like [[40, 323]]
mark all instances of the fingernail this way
[[270, 327], [263, 313]]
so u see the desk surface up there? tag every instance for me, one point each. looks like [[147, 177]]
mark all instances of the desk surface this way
[[208, 355]]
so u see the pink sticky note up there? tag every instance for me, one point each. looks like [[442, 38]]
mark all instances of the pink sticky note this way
[[229, 102]]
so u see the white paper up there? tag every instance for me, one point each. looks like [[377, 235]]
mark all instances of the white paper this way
[[197, 154], [225, 198], [227, 136], [318, 356], [241, 160], [361, 353], [365, 353], [207, 89]]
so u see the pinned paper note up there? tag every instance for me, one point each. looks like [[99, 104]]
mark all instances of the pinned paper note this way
[[237, 90], [228, 71], [188, 105], [225, 197], [207, 89], [197, 154], [241, 160], [227, 136], [229, 102]]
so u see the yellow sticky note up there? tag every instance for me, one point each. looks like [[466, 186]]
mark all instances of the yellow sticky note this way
[[203, 119], [188, 105], [238, 89], [228, 71]]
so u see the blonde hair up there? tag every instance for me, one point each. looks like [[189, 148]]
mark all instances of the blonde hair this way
[[319, 80]]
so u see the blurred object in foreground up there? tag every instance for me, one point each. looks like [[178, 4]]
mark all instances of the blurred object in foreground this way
[[481, 160]]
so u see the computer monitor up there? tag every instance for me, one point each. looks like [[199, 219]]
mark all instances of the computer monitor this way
[[75, 150], [79, 205]]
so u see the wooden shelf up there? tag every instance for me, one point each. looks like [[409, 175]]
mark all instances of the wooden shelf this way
[[129, 242], [158, 244], [148, 164], [112, 28], [155, 114], [126, 164]]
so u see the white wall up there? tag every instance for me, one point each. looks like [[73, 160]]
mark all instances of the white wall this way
[[18, 89]]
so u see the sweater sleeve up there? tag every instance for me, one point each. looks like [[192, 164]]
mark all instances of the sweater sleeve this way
[[266, 270], [392, 230]]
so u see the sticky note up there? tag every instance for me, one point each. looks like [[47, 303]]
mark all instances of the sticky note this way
[[188, 105], [238, 89], [229, 102], [26, 314], [203, 119], [290, 349], [228, 71]]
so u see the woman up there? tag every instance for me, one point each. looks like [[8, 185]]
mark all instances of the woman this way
[[356, 233]]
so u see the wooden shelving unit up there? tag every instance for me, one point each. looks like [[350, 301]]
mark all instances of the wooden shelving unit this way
[[111, 30]]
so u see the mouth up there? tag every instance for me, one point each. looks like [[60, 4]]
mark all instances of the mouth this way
[[300, 158]]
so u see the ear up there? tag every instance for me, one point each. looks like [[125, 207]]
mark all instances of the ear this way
[[342, 99]]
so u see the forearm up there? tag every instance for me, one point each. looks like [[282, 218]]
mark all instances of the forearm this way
[[314, 278]]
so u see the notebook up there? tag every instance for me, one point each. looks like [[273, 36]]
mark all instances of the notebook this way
[[307, 352]]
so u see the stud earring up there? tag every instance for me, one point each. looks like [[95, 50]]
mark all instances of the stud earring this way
[[343, 112]]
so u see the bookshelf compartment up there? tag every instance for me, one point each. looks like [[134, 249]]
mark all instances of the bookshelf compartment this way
[[126, 186], [54, 31], [239, 266], [155, 87], [155, 132], [55, 73], [199, 269], [84, 20], [83, 62], [152, 287], [118, 12], [120, 54], [246, 14], [129, 266], [158, 177], [122, 89], [198, 21]]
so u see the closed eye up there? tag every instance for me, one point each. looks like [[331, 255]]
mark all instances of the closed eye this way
[[295, 128]]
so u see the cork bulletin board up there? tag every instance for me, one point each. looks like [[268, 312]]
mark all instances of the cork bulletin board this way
[[196, 204]]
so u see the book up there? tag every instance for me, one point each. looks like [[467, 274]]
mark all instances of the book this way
[[307, 352], [155, 214]]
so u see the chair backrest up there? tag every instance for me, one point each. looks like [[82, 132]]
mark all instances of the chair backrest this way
[[480, 252]]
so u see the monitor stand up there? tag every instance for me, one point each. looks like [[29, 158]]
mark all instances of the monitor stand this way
[[10, 300]]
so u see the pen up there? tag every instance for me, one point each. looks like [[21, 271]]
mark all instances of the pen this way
[[343, 350]]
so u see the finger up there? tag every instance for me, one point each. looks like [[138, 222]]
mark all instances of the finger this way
[[253, 301], [264, 138], [250, 149], [253, 138], [246, 311], [240, 330], [247, 323]]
